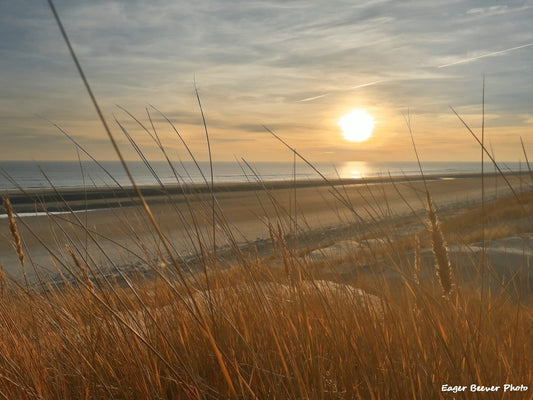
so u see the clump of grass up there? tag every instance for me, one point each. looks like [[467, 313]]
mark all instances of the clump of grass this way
[[277, 339], [503, 217]]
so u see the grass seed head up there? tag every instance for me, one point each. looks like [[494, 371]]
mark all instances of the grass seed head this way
[[438, 246], [14, 230]]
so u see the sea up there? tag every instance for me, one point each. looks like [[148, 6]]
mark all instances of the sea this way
[[73, 174]]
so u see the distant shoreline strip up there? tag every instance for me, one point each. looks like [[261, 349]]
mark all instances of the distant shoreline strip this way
[[66, 200], [46, 213]]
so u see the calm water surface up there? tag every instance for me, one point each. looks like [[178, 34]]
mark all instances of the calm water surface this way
[[66, 174]]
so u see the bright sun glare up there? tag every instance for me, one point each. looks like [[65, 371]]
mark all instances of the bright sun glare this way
[[357, 125]]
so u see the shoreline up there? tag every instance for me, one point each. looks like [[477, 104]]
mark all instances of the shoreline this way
[[36, 202], [244, 214]]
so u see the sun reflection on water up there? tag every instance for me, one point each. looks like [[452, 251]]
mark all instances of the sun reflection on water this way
[[353, 170]]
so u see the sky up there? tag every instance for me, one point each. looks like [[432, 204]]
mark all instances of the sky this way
[[294, 66]]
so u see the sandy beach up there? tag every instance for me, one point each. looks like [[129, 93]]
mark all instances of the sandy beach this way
[[122, 234]]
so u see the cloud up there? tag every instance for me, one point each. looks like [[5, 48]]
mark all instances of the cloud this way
[[488, 11], [293, 64], [497, 10]]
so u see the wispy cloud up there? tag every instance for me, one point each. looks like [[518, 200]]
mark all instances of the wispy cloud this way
[[489, 11]]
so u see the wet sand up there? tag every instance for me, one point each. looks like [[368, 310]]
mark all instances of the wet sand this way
[[124, 235]]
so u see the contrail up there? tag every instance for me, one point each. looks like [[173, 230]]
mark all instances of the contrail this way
[[313, 98], [495, 53], [351, 88], [367, 84]]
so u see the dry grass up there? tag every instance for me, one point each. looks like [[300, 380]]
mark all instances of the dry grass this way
[[503, 217], [253, 331]]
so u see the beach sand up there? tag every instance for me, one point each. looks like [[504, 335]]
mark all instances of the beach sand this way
[[124, 235]]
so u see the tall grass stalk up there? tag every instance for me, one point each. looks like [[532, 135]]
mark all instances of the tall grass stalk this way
[[438, 245], [13, 228], [439, 249]]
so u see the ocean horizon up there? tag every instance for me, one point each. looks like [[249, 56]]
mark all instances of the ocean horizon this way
[[73, 174]]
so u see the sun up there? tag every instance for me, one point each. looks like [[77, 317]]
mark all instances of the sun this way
[[357, 125]]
